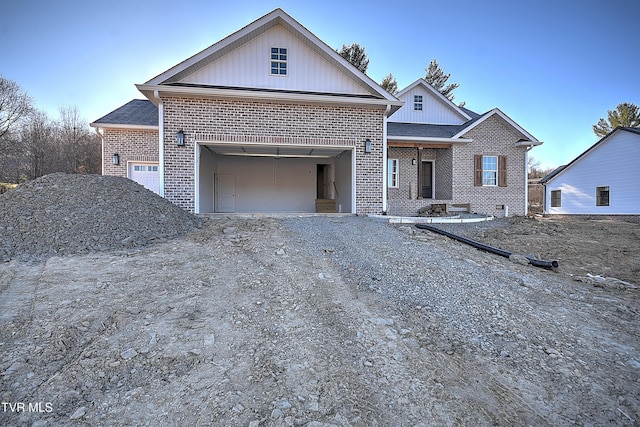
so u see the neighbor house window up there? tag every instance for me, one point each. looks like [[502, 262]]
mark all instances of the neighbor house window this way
[[602, 196], [392, 173], [278, 61], [417, 102], [556, 198], [490, 171]]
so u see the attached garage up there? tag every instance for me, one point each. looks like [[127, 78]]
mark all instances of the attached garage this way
[[145, 174], [273, 178]]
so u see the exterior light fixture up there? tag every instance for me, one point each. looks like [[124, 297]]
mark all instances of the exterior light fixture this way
[[180, 138], [116, 159], [367, 146], [413, 162]]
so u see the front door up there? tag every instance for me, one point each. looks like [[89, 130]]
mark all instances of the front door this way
[[427, 180], [225, 188]]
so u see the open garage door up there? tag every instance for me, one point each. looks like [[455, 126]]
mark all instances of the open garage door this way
[[270, 179]]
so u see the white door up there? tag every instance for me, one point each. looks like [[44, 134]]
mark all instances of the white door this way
[[225, 193], [145, 174]]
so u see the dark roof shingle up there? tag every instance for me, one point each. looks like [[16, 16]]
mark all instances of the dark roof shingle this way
[[136, 112]]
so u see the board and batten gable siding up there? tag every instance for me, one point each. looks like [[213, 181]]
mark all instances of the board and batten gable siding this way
[[434, 111], [615, 163], [236, 120], [250, 66]]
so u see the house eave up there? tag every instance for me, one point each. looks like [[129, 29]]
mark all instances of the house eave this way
[[122, 126], [427, 140], [265, 95]]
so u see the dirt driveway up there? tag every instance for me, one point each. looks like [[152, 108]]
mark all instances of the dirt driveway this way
[[319, 321]]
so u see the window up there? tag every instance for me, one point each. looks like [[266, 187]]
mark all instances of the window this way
[[417, 102], [489, 170], [556, 198], [602, 196], [392, 173], [139, 168], [278, 61]]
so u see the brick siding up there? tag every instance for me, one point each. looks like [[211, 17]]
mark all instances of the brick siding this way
[[228, 120], [131, 146], [454, 170]]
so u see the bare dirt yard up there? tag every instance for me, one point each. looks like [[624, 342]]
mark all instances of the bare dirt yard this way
[[328, 321]]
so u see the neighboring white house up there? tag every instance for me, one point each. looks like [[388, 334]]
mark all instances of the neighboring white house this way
[[601, 181]]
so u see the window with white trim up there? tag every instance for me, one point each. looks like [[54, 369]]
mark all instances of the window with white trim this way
[[489, 170], [602, 196], [392, 173], [279, 61], [417, 102], [556, 198]]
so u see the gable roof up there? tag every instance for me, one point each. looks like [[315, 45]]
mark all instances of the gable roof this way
[[169, 81], [561, 169], [528, 140], [436, 93], [138, 114]]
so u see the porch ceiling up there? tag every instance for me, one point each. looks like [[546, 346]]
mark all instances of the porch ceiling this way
[[265, 150]]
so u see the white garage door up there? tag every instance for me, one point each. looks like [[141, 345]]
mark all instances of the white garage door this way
[[145, 174]]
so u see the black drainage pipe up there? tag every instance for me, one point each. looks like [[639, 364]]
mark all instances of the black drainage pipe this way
[[482, 246]]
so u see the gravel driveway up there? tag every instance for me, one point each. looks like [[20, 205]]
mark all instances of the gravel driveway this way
[[313, 321]]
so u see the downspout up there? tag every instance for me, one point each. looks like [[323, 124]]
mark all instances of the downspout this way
[[101, 149], [156, 95], [384, 160], [526, 179]]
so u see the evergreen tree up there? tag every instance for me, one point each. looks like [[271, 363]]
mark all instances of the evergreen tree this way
[[356, 55], [625, 114], [390, 84], [437, 78]]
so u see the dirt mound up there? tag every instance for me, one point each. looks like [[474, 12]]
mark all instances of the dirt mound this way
[[61, 214]]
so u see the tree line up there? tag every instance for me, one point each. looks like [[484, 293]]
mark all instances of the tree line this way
[[32, 144]]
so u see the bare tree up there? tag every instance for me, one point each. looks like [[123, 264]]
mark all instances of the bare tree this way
[[37, 143], [15, 104]]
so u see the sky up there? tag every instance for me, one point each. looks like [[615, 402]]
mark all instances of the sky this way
[[554, 66]]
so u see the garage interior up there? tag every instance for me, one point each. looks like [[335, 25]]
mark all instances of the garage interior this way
[[259, 178]]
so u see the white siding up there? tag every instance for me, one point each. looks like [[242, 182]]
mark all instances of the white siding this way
[[614, 163], [250, 66], [434, 110]]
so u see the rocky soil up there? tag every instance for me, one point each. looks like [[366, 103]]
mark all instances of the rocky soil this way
[[318, 321], [62, 214]]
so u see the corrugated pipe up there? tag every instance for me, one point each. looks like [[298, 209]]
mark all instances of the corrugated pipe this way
[[482, 246]]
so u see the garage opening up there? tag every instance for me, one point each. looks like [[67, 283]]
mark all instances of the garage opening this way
[[274, 179]]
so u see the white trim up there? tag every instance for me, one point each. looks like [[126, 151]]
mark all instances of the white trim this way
[[429, 139], [160, 142], [267, 95], [385, 155], [196, 178], [532, 140], [354, 192], [397, 173], [118, 126]]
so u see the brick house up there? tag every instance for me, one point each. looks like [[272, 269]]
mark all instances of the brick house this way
[[271, 119]]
